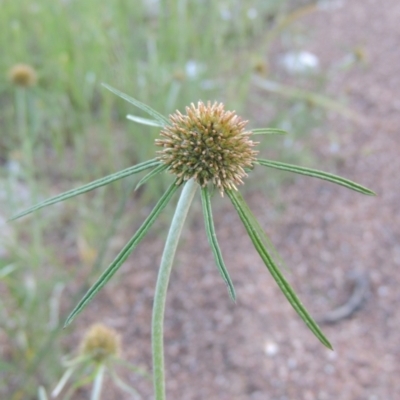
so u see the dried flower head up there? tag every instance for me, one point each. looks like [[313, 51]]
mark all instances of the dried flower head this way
[[23, 75], [100, 343], [208, 144]]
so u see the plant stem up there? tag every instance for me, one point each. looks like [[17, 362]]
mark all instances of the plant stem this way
[[162, 284], [25, 132]]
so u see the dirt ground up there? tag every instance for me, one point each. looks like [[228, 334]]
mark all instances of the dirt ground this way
[[258, 348]]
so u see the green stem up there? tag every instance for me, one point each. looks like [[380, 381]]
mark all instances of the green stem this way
[[162, 284], [20, 104], [25, 132]]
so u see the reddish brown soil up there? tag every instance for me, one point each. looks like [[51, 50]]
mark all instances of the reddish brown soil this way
[[259, 348]]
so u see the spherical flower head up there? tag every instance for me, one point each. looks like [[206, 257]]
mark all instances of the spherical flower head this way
[[23, 75], [100, 342], [209, 145]]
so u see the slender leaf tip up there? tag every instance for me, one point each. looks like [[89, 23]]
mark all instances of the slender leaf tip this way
[[248, 220], [314, 173], [212, 239], [88, 187], [268, 131], [123, 254], [144, 107]]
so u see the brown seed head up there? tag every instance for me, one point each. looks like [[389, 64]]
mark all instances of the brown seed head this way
[[100, 343], [23, 75], [208, 144]]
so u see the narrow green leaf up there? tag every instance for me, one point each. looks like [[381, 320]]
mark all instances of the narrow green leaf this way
[[90, 186], [124, 253], [316, 174], [212, 239], [145, 121], [42, 393], [77, 361], [64, 379], [151, 174], [125, 387], [246, 216], [131, 367], [83, 379], [267, 242], [98, 382], [305, 95], [155, 114], [268, 131]]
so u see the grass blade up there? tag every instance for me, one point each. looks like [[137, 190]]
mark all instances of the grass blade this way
[[145, 121], [268, 131], [155, 114], [212, 239], [90, 186], [151, 174], [316, 174], [124, 253], [246, 216]]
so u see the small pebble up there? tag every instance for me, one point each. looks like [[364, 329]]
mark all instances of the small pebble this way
[[271, 349]]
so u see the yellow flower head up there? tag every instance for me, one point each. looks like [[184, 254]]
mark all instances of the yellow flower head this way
[[208, 144], [100, 343], [23, 75]]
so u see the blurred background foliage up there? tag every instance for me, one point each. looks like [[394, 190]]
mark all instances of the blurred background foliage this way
[[65, 129]]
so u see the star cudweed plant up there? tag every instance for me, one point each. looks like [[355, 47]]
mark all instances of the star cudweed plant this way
[[99, 354], [206, 148]]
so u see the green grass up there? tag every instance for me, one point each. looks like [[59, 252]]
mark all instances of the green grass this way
[[165, 58]]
